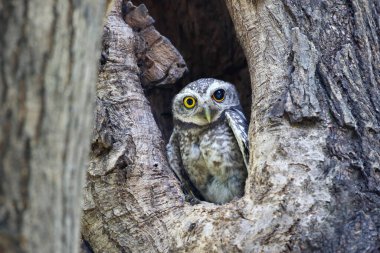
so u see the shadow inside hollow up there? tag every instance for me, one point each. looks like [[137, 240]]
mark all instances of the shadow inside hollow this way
[[203, 33]]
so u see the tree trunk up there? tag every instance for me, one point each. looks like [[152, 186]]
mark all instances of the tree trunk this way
[[315, 71], [314, 135], [48, 58]]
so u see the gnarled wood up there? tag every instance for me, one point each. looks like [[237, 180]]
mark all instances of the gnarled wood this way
[[127, 147]]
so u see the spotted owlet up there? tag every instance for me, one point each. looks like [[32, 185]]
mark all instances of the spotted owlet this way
[[209, 143]]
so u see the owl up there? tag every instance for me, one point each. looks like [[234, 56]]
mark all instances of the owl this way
[[208, 149]]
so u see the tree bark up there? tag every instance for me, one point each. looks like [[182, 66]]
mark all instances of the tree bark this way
[[47, 87], [315, 75], [314, 134]]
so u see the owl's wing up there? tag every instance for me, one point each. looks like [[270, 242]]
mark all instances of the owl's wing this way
[[238, 123], [174, 156]]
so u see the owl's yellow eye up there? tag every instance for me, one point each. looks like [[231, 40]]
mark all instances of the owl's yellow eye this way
[[189, 102]]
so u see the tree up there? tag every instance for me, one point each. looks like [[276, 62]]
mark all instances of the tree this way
[[313, 179], [48, 57], [314, 133]]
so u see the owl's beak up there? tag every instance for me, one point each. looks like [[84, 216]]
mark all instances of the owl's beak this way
[[207, 113]]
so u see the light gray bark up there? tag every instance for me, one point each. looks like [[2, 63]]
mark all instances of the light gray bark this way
[[48, 57], [314, 134], [315, 75]]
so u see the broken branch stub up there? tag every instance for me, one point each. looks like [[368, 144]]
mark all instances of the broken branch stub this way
[[159, 61]]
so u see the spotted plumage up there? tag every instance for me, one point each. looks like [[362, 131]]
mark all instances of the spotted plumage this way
[[209, 144]]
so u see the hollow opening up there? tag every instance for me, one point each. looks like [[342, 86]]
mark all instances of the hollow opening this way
[[203, 33]]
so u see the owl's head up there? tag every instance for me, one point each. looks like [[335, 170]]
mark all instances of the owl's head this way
[[204, 101]]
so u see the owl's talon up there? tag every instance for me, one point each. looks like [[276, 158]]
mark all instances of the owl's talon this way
[[192, 200]]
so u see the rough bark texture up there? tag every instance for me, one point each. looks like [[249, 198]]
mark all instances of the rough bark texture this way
[[47, 86], [158, 61], [314, 134], [127, 147], [315, 75]]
